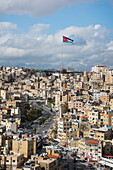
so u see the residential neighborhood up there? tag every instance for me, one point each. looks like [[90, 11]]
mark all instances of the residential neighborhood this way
[[56, 119]]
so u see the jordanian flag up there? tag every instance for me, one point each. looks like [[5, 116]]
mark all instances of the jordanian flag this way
[[67, 40]]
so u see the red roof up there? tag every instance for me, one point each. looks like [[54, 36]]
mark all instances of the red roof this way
[[93, 141], [2, 106], [6, 109], [83, 116], [93, 160], [53, 156], [100, 66], [108, 156]]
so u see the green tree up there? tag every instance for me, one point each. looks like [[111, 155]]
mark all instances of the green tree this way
[[34, 131], [43, 120], [65, 108], [40, 122]]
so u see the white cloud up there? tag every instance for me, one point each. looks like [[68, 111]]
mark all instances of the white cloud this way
[[97, 26], [7, 26], [35, 8], [39, 49], [109, 45], [39, 28]]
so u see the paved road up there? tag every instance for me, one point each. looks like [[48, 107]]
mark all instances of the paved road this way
[[76, 166], [72, 165], [46, 127]]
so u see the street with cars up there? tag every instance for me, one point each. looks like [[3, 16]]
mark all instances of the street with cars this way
[[44, 128], [73, 161]]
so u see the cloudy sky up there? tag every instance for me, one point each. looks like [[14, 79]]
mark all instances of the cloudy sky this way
[[31, 33]]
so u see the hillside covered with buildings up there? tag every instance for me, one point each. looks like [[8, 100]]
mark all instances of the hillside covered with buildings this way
[[81, 109]]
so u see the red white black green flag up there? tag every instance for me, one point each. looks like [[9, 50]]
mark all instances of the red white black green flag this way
[[67, 40]]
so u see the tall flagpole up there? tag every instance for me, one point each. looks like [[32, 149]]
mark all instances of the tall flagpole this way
[[66, 40], [62, 54]]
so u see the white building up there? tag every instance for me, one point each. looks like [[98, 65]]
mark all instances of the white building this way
[[99, 68], [93, 149], [96, 96], [15, 111]]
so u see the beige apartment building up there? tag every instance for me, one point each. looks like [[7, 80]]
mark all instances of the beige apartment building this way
[[5, 141], [93, 116], [104, 119], [75, 104], [104, 97], [49, 162], [109, 78], [78, 85], [12, 160], [96, 77], [103, 133], [72, 134], [61, 97], [26, 146], [64, 126], [111, 104], [90, 148], [74, 143]]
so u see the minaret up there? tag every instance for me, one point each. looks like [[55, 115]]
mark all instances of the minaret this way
[[60, 110]]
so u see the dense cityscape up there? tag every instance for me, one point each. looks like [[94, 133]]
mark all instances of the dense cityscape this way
[[56, 85], [56, 119]]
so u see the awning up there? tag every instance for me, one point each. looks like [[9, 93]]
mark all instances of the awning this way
[[102, 162], [106, 163]]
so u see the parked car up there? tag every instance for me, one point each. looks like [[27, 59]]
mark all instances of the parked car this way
[[83, 160], [74, 160], [89, 165]]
